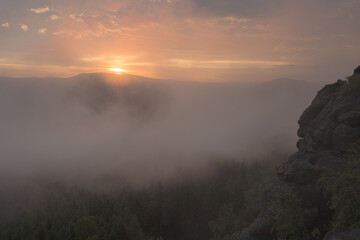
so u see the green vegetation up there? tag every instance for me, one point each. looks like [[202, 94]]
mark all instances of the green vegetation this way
[[352, 86], [288, 217], [343, 189], [226, 223], [214, 208], [229, 219]]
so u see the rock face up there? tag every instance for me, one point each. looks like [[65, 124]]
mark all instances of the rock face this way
[[327, 129], [357, 70]]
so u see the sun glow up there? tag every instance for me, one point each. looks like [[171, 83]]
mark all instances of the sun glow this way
[[118, 70]]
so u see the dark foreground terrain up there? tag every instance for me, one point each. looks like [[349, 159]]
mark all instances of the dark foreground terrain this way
[[213, 207]]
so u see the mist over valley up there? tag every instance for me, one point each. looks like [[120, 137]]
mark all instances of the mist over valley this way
[[140, 128]]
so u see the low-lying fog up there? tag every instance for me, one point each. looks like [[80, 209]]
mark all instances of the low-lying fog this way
[[142, 129]]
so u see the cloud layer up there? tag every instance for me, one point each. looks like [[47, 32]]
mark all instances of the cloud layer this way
[[142, 129], [189, 39]]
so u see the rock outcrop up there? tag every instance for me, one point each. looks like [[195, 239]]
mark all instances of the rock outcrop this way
[[327, 129], [357, 70]]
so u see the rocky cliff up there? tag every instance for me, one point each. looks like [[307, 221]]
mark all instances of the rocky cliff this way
[[327, 129]]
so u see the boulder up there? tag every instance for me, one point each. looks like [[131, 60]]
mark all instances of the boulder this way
[[323, 97], [351, 118], [330, 161], [298, 169], [344, 137], [341, 106]]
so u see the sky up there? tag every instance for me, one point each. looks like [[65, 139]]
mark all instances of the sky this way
[[201, 40]]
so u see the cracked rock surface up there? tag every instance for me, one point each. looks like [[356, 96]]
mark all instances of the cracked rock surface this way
[[327, 129]]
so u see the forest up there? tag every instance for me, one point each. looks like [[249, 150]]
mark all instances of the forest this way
[[212, 207], [209, 208]]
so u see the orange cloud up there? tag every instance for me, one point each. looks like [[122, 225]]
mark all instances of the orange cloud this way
[[42, 30], [24, 27], [177, 38], [54, 17], [5, 25], [40, 10]]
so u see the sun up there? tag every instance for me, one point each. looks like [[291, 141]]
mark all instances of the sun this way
[[118, 70]]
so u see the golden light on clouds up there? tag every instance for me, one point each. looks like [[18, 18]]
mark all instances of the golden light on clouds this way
[[40, 10], [42, 30], [5, 25], [225, 64], [118, 70], [24, 27], [227, 40], [54, 17]]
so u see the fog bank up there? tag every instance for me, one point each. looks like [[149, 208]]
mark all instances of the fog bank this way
[[142, 129]]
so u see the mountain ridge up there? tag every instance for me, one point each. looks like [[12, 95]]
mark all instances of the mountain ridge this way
[[101, 75]]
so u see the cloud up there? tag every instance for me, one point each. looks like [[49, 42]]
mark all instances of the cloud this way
[[5, 25], [24, 27], [242, 8], [141, 129], [160, 1], [77, 17], [54, 17], [192, 34], [40, 10], [224, 64], [236, 20], [42, 30]]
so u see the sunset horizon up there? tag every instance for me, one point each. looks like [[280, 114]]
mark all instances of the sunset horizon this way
[[180, 119], [180, 39]]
